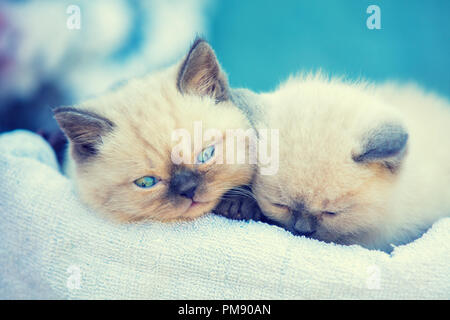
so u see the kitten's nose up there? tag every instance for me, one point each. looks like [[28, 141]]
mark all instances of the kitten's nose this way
[[184, 183], [189, 193], [304, 226], [304, 223]]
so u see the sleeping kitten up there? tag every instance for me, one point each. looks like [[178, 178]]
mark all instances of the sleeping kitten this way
[[121, 144], [359, 164]]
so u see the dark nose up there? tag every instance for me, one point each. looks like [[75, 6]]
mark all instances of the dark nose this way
[[184, 183], [188, 193], [304, 223], [305, 226]]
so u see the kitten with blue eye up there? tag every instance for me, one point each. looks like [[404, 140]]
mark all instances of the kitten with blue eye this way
[[359, 164], [120, 144]]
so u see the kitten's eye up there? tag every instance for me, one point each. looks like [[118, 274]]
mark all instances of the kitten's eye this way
[[206, 154], [146, 182], [280, 206], [330, 213]]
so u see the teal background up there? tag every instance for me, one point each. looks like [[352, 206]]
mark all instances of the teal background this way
[[260, 43]]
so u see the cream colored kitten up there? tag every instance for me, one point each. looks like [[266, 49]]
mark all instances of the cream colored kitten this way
[[120, 152], [359, 164]]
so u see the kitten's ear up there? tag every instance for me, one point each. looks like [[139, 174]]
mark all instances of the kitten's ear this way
[[84, 129], [200, 73], [385, 144]]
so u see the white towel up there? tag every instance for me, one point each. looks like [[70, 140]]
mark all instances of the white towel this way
[[53, 247]]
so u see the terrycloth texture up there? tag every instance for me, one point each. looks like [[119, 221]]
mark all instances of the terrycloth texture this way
[[46, 237]]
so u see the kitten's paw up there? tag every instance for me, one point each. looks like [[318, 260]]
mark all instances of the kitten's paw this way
[[239, 207]]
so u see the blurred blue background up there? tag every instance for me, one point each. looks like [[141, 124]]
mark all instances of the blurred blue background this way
[[261, 42], [44, 64]]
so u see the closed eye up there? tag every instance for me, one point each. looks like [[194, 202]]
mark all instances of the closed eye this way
[[330, 213], [279, 205]]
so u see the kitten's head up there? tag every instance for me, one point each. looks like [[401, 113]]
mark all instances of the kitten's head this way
[[341, 152], [122, 144]]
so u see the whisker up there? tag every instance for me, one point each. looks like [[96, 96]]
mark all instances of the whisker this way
[[239, 191]]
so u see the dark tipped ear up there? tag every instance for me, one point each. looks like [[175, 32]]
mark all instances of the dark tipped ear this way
[[200, 73], [84, 129], [385, 144]]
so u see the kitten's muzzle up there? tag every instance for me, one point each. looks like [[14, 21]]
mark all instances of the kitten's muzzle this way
[[184, 183], [304, 223]]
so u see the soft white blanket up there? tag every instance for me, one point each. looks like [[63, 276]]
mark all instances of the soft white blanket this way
[[53, 247]]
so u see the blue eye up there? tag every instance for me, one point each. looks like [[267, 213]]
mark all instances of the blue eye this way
[[146, 182], [206, 154]]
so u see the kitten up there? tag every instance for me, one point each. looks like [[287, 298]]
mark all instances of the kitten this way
[[359, 164], [121, 146]]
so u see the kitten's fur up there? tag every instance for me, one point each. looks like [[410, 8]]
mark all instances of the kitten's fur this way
[[127, 134], [376, 156]]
